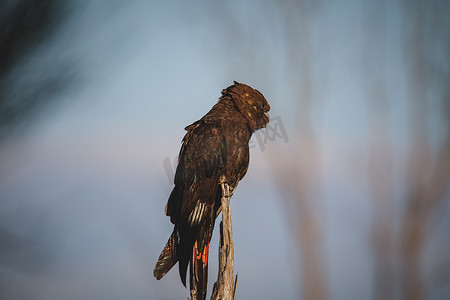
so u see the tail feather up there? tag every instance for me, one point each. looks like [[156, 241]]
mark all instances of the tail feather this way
[[187, 252], [182, 266], [199, 271], [168, 257]]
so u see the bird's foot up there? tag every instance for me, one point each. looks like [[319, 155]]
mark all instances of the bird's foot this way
[[223, 183]]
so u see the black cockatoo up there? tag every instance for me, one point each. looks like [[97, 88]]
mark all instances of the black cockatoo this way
[[214, 146]]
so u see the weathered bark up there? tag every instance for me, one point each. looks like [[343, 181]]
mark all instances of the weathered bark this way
[[225, 288]]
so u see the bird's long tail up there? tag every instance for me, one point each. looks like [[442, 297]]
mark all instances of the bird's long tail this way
[[199, 270], [174, 251], [168, 257]]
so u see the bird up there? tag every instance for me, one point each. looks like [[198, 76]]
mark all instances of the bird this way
[[213, 148]]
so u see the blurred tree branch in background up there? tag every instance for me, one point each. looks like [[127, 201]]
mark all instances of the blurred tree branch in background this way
[[380, 167], [298, 174], [427, 31], [25, 25], [397, 253]]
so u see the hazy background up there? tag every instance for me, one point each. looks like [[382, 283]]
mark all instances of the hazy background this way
[[347, 193]]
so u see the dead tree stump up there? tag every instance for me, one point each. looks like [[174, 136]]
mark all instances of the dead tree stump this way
[[225, 286]]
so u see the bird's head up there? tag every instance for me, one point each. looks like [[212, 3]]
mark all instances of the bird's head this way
[[251, 104]]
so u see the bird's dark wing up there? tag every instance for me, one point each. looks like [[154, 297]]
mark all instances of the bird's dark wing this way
[[202, 155], [191, 204]]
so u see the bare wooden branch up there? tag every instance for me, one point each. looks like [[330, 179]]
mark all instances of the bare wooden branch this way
[[225, 288]]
